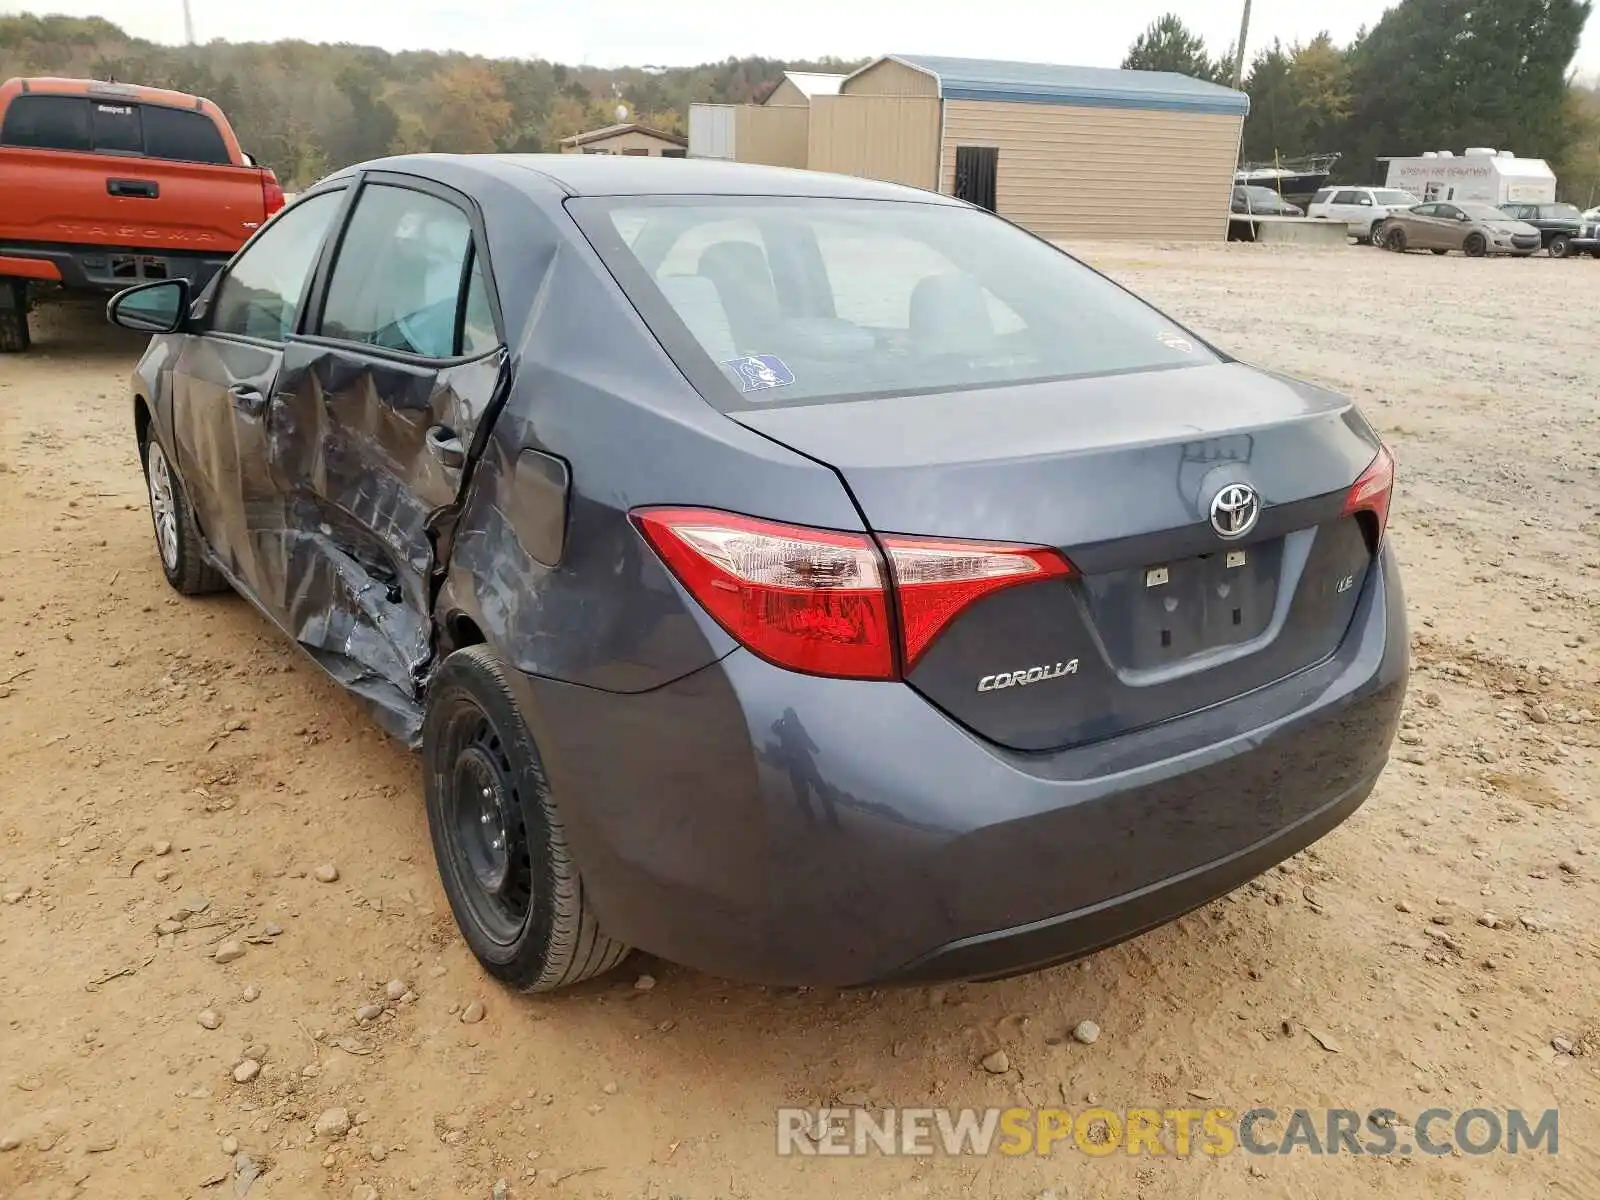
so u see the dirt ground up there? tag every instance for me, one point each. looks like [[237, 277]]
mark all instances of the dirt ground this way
[[172, 774]]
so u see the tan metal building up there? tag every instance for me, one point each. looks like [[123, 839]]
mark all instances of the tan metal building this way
[[797, 87], [1067, 152], [627, 138]]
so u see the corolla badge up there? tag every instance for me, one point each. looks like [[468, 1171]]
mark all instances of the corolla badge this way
[[1235, 510], [1022, 678]]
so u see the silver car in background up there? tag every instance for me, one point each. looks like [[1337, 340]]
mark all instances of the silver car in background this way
[[1474, 229]]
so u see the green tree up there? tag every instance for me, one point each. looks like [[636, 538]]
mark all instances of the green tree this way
[[1445, 74], [1169, 45], [1319, 80], [1273, 126]]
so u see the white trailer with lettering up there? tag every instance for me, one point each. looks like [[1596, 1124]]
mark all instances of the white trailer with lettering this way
[[1482, 175]]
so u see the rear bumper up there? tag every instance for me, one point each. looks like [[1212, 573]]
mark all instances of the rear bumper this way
[[769, 826], [104, 269]]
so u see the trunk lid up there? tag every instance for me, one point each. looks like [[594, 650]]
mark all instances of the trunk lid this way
[[1119, 473]]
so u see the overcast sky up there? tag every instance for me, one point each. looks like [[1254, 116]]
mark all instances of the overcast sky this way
[[682, 32]]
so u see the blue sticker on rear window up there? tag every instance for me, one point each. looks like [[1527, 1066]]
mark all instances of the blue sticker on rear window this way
[[757, 372]]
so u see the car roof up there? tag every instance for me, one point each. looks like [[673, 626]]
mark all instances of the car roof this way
[[641, 175]]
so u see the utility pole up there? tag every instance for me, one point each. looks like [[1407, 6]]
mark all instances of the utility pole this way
[[188, 22], [1238, 58]]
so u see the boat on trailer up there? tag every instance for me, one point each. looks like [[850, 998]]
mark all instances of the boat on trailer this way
[[1295, 179]]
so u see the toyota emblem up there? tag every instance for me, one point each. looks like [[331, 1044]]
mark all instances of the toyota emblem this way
[[1234, 510]]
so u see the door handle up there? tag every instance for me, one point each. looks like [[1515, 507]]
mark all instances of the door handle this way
[[446, 446], [247, 400], [139, 189]]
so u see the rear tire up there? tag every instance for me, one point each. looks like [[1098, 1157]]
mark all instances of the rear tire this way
[[498, 838], [1474, 246], [179, 546], [1560, 246], [14, 316]]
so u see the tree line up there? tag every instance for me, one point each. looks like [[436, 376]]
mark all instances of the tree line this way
[[305, 109], [1430, 75]]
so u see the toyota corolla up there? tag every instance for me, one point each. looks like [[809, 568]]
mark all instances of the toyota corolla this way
[[807, 579]]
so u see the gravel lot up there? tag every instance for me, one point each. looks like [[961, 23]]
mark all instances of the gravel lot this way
[[176, 777]]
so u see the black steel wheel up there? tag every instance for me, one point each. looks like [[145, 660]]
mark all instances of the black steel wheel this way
[[498, 839]]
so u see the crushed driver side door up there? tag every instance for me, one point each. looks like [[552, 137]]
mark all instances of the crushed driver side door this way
[[382, 405]]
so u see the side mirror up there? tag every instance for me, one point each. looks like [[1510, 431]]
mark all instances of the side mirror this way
[[158, 307]]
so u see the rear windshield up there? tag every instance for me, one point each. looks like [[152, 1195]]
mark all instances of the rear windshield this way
[[778, 301], [87, 124]]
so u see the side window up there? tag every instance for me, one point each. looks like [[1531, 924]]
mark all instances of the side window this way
[[1425, 210], [116, 128], [1324, 196], [1448, 212], [1348, 198], [477, 324], [47, 123], [1364, 199], [260, 295], [397, 280]]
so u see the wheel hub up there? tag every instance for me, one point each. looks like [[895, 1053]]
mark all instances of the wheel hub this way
[[481, 819], [163, 506]]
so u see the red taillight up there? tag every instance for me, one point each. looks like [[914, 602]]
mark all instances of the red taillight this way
[[811, 600], [818, 600], [935, 580], [1372, 491], [271, 193]]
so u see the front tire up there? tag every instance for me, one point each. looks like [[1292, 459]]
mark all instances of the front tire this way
[[14, 316], [1396, 240], [1375, 234], [498, 839], [1474, 246], [1560, 246], [178, 544]]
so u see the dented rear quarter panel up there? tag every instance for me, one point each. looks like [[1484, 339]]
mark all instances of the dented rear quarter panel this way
[[593, 389]]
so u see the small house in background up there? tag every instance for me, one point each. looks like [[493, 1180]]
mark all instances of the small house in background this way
[[1066, 152], [797, 87], [627, 138]]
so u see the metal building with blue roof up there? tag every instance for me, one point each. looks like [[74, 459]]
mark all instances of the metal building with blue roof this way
[[1072, 153]]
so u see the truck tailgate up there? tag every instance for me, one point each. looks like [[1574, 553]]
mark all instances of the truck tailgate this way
[[106, 201]]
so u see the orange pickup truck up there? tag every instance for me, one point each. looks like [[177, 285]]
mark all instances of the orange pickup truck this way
[[103, 185]]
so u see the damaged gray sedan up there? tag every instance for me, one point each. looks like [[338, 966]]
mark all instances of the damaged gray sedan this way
[[807, 579]]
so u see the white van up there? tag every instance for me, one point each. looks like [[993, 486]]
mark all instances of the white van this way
[[1361, 208]]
